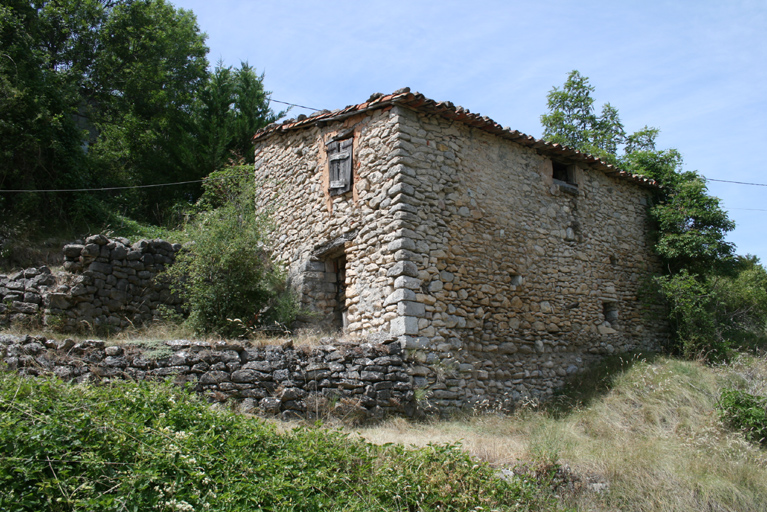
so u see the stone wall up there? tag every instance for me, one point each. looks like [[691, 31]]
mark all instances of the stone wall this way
[[106, 284], [521, 277], [360, 380], [497, 277], [321, 237]]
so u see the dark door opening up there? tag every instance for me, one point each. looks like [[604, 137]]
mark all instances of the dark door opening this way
[[338, 268]]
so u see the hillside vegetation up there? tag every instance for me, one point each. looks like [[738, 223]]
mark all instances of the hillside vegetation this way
[[636, 434], [650, 437], [159, 447]]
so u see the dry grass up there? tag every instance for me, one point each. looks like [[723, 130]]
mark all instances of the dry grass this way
[[654, 438], [159, 331]]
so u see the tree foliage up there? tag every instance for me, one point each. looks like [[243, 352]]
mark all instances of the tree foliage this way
[[98, 93], [225, 275], [711, 296], [232, 106], [571, 121], [691, 223]]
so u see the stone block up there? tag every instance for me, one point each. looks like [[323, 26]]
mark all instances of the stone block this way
[[72, 251], [401, 243], [404, 325], [270, 404], [27, 308], [411, 283], [409, 308], [400, 295], [403, 268], [214, 377]]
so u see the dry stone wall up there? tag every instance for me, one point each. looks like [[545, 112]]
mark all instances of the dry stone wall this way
[[367, 379], [340, 250], [107, 283]]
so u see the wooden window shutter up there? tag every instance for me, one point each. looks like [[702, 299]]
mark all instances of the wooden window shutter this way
[[340, 160]]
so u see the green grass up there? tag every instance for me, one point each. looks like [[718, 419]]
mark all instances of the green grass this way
[[648, 432], [158, 447]]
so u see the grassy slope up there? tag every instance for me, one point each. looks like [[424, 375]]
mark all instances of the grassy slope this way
[[654, 438], [140, 447], [644, 432]]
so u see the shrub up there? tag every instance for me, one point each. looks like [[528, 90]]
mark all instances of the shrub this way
[[690, 301], [225, 273], [709, 314], [745, 412], [149, 446]]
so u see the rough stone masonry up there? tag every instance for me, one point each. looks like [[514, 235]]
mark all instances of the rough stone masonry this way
[[105, 284], [356, 381], [502, 262]]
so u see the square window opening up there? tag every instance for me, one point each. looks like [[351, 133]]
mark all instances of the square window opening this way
[[564, 173], [610, 312]]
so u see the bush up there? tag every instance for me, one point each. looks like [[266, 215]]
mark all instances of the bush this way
[[711, 314], [149, 446], [745, 412], [689, 300], [225, 274]]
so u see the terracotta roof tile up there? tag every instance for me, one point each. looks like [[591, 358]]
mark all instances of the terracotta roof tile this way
[[448, 110]]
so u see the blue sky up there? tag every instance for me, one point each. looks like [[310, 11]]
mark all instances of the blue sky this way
[[695, 69]]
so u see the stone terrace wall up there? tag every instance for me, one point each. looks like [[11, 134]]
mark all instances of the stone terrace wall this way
[[361, 380], [519, 280], [106, 284]]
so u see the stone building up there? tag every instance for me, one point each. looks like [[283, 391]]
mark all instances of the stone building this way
[[502, 262]]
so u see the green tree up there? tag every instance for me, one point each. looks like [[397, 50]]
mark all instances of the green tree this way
[[116, 93], [40, 144], [232, 107], [150, 65], [690, 224], [226, 276]]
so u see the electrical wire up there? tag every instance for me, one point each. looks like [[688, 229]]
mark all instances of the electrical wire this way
[[738, 182], [294, 105], [103, 189]]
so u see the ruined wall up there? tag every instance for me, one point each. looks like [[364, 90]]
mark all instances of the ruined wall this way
[[106, 284], [520, 279], [360, 380]]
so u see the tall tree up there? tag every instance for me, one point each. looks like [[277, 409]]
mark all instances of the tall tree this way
[[691, 223], [150, 65], [115, 92], [710, 296], [232, 107], [39, 139]]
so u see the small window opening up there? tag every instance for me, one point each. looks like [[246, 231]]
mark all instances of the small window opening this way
[[516, 280], [340, 165], [563, 172], [610, 312]]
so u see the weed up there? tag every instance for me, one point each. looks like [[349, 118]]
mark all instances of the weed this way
[[745, 412]]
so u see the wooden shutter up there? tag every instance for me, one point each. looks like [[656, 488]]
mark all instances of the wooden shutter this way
[[340, 160]]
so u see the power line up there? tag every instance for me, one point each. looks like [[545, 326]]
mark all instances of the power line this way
[[102, 189], [738, 182], [294, 105]]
